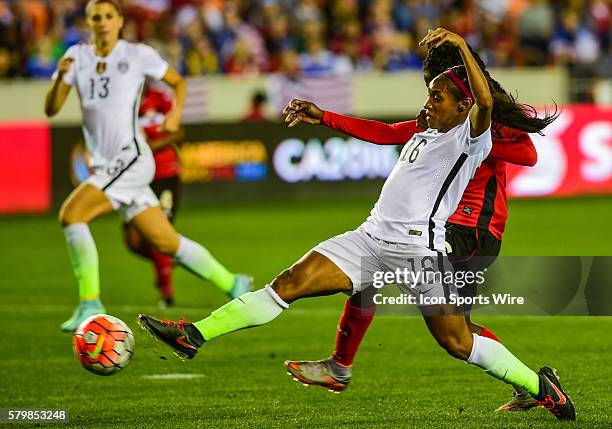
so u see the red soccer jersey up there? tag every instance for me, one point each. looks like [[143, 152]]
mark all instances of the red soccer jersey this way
[[484, 202], [153, 109]]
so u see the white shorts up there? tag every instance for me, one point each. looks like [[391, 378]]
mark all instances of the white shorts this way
[[125, 182], [362, 257]]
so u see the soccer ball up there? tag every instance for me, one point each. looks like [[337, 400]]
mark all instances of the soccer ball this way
[[103, 344]]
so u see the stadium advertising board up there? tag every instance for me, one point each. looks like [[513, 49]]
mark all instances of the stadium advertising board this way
[[25, 167], [206, 161], [574, 157], [261, 160]]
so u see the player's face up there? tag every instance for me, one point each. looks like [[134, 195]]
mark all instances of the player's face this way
[[104, 21], [442, 109]]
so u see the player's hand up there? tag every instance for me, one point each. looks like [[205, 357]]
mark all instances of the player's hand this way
[[300, 111], [421, 121], [438, 36], [63, 66], [172, 122]]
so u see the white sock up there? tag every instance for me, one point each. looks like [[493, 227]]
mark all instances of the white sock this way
[[497, 361], [84, 257], [251, 309], [199, 261]]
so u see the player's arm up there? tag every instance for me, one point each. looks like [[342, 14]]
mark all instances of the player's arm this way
[[166, 140], [300, 111], [57, 94], [179, 87], [480, 114], [516, 148], [372, 131]]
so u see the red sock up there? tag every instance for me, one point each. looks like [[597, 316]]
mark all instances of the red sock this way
[[489, 334], [353, 325], [163, 271]]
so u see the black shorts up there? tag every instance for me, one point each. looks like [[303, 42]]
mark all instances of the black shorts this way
[[471, 245], [168, 191], [471, 249]]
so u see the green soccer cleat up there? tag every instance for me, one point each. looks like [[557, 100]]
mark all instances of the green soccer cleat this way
[[84, 310], [243, 283], [325, 373], [521, 401]]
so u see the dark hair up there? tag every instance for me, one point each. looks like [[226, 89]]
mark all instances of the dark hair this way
[[259, 98], [115, 3], [459, 73], [506, 109]]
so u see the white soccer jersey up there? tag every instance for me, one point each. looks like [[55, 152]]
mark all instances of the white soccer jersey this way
[[109, 89], [426, 185]]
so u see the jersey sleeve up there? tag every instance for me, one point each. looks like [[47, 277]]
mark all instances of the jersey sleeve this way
[[371, 131], [480, 145], [70, 77], [514, 147], [151, 62]]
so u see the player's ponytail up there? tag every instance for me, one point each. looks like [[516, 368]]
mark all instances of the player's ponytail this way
[[506, 109]]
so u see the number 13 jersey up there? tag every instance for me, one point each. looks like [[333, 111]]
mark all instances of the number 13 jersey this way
[[109, 89], [426, 185]]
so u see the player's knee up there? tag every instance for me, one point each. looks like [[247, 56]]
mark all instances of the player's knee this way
[[290, 284], [456, 346], [68, 215], [166, 245]]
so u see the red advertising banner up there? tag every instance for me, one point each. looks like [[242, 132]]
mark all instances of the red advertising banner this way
[[574, 157], [25, 167]]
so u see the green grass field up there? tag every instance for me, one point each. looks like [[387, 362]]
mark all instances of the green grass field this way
[[401, 379]]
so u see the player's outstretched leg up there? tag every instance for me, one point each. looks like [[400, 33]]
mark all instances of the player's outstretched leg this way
[[153, 224], [84, 204], [495, 359], [251, 309], [313, 275]]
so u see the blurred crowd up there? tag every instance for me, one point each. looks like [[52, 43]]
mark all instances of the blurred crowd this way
[[317, 37]]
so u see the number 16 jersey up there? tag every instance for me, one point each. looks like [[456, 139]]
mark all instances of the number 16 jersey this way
[[109, 89], [426, 185]]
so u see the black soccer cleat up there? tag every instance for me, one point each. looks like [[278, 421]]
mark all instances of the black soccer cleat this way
[[182, 336], [552, 397]]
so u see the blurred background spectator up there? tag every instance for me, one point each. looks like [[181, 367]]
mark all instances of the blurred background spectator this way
[[256, 111], [319, 37]]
